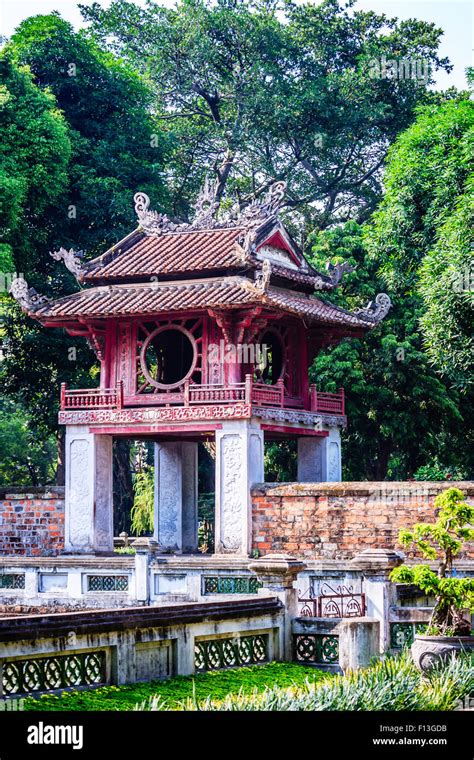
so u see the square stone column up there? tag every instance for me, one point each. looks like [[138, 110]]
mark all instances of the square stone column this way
[[176, 495], [319, 459], [89, 492], [239, 465]]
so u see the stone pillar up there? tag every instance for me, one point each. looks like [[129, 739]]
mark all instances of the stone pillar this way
[[239, 465], [144, 550], [376, 565], [358, 642], [277, 573], [176, 495], [89, 495], [319, 459]]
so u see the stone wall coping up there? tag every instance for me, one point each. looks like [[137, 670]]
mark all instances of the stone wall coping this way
[[331, 626], [362, 488], [31, 492], [120, 562], [203, 562], [26, 627]]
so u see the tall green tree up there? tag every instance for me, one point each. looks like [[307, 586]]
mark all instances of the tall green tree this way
[[253, 91], [110, 146], [401, 413]]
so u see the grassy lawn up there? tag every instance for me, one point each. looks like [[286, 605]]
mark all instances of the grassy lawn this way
[[216, 684]]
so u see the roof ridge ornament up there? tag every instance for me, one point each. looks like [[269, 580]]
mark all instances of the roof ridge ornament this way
[[268, 206], [336, 271], [72, 260], [152, 222], [206, 209], [376, 310], [28, 298], [262, 280], [206, 206]]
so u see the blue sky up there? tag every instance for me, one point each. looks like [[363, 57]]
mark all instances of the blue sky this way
[[455, 17]]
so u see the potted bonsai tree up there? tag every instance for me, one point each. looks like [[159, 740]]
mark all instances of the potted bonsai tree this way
[[449, 630]]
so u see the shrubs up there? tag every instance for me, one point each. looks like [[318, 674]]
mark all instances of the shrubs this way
[[442, 540], [391, 684]]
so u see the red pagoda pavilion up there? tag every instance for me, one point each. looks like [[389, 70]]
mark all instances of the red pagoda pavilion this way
[[205, 332]]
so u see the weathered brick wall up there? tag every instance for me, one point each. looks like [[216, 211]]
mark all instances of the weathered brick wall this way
[[338, 520], [32, 521]]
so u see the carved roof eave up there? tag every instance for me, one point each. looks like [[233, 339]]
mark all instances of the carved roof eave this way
[[28, 298], [72, 260], [376, 310]]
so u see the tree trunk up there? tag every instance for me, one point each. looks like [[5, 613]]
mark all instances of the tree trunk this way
[[122, 486]]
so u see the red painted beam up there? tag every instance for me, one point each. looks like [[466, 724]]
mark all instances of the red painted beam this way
[[154, 429], [294, 431]]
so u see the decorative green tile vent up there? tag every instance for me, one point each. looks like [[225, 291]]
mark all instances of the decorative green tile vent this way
[[47, 673], [223, 584], [107, 582], [403, 634], [230, 653], [316, 648], [12, 580]]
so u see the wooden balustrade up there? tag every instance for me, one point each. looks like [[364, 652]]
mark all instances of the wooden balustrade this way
[[327, 403], [248, 392], [92, 398]]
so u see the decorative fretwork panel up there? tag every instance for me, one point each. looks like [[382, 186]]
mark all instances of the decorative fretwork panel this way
[[403, 634], [332, 601], [230, 584], [230, 653], [58, 672], [316, 648], [157, 369], [107, 582], [12, 580]]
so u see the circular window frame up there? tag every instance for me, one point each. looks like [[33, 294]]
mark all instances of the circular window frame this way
[[275, 332], [143, 364]]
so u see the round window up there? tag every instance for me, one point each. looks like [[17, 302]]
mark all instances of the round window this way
[[168, 357]]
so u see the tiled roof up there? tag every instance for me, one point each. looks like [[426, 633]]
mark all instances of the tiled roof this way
[[141, 256], [222, 293]]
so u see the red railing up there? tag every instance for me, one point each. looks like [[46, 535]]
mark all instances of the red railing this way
[[214, 394], [249, 392], [92, 398], [339, 602], [268, 395], [329, 403]]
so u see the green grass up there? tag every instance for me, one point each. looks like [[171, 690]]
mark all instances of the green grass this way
[[218, 685], [390, 684]]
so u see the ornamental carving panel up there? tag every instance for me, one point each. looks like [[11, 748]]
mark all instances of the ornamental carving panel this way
[[169, 495], [168, 414], [233, 496], [333, 462], [80, 493]]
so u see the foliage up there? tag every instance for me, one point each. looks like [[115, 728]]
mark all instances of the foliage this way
[[401, 412], [447, 289], [76, 145], [422, 230], [206, 522], [435, 470], [34, 156], [142, 514], [391, 684], [251, 91], [25, 460], [280, 461], [173, 691], [443, 540]]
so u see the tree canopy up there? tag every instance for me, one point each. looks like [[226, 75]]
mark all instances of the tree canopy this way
[[256, 91]]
